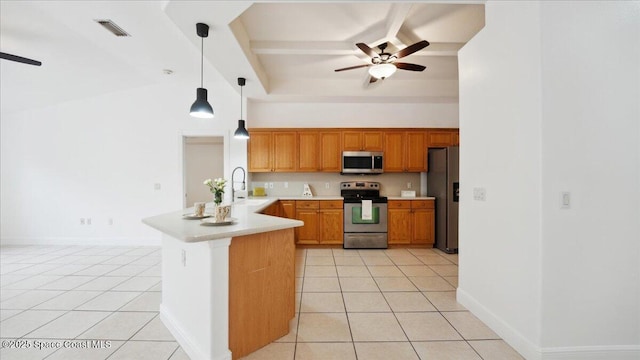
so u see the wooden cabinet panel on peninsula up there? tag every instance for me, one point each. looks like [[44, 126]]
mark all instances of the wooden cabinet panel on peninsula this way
[[405, 151], [323, 222], [358, 140], [272, 151], [411, 222]]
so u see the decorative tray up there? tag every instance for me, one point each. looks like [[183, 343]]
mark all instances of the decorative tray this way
[[213, 222], [195, 216]]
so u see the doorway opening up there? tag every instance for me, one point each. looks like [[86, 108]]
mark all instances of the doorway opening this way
[[203, 158]]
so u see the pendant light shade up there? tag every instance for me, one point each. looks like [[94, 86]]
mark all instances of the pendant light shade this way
[[241, 131], [201, 107]]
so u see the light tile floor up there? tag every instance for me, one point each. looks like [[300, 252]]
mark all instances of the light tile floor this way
[[350, 304], [381, 304]]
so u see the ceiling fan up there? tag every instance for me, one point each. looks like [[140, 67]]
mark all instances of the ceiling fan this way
[[384, 64], [19, 59]]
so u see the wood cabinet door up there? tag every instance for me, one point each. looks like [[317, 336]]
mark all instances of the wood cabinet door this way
[[394, 152], [456, 138], [400, 224], [284, 151], [423, 227], [260, 149], [308, 155], [288, 209], [307, 234], [372, 141], [330, 151], [440, 138], [416, 152], [331, 226], [352, 140]]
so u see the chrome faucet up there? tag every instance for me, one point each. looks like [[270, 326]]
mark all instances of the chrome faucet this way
[[233, 188]]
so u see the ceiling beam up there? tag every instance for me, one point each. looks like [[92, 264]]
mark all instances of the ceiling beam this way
[[338, 48]]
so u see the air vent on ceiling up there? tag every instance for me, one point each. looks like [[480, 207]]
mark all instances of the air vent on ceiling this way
[[111, 26]]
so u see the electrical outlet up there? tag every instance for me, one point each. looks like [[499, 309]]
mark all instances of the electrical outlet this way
[[81, 221], [110, 221], [183, 258], [270, 185], [157, 186], [408, 185], [266, 185], [479, 194], [327, 185], [286, 185], [88, 221]]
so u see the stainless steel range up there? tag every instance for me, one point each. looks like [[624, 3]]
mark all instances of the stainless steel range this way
[[365, 215]]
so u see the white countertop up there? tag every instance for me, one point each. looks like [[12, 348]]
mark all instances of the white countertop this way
[[245, 211], [411, 198]]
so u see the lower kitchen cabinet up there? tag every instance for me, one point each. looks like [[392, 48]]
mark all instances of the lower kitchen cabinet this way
[[411, 222], [323, 222]]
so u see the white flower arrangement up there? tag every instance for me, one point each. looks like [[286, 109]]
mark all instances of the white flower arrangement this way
[[216, 187]]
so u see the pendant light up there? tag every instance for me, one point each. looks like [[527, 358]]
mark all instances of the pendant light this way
[[201, 107], [241, 131]]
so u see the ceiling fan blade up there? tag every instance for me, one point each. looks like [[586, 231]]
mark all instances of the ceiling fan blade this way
[[352, 67], [407, 66], [366, 49], [411, 49], [19, 59]]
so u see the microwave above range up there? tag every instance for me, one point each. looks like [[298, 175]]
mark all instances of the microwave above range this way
[[362, 162]]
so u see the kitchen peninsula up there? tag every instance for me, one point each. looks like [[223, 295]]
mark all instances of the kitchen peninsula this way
[[227, 290]]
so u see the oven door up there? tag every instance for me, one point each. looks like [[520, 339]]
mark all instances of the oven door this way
[[353, 221]]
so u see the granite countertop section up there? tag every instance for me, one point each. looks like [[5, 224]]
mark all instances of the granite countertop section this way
[[411, 198], [245, 211]]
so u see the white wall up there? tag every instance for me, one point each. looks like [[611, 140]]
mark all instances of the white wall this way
[[549, 95], [500, 151], [393, 115], [590, 147], [99, 158]]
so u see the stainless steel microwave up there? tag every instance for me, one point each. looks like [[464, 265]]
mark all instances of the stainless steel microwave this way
[[361, 162]]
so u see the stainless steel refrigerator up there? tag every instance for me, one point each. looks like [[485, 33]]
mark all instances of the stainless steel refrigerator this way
[[442, 183]]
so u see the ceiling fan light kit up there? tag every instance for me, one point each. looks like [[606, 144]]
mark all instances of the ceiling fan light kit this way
[[384, 64], [241, 132], [382, 71], [201, 107]]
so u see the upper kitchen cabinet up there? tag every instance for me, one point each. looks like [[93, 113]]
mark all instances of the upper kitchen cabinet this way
[[272, 151], [330, 151], [362, 140], [405, 151], [319, 151], [442, 138], [308, 154]]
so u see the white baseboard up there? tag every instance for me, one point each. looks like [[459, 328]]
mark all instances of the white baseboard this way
[[531, 351], [83, 241], [512, 337], [616, 352], [187, 345]]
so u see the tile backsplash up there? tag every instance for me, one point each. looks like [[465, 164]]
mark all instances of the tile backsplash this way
[[323, 184]]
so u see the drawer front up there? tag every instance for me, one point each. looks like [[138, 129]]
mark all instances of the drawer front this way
[[330, 204], [422, 204], [399, 204], [307, 204]]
